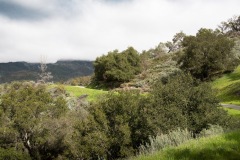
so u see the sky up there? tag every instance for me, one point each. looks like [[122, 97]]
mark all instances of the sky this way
[[86, 29]]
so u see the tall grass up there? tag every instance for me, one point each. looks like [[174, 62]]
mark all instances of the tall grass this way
[[173, 138], [220, 147], [176, 138]]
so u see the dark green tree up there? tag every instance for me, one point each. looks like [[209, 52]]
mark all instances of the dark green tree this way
[[89, 139], [44, 75], [231, 27], [31, 120], [117, 67], [207, 54], [180, 101], [127, 117], [176, 43]]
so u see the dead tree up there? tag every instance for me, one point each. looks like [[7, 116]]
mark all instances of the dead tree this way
[[44, 75]]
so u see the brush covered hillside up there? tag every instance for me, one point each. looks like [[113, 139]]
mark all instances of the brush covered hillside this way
[[221, 147], [61, 70], [159, 103], [168, 59]]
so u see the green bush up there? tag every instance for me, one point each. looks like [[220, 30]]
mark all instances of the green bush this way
[[127, 117], [173, 138], [211, 131], [89, 140], [32, 118], [178, 101], [115, 68], [13, 154], [182, 102], [79, 81]]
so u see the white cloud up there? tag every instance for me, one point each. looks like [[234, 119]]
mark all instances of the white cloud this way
[[85, 29]]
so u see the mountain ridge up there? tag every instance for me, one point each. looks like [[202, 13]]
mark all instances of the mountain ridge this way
[[62, 70]]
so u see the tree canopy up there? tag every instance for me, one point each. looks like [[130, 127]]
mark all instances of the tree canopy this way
[[207, 54], [231, 26], [30, 119], [181, 101], [117, 67]]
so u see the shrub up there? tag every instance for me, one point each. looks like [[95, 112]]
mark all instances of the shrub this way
[[183, 102], [127, 117], [32, 118], [115, 68], [79, 81], [173, 138], [176, 138], [211, 130], [12, 154]]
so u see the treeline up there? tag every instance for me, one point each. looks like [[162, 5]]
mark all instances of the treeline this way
[[116, 68], [208, 54], [61, 70]]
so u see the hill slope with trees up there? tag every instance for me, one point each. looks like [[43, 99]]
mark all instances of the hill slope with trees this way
[[61, 70], [39, 120]]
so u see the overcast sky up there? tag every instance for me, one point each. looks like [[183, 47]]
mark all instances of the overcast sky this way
[[85, 29]]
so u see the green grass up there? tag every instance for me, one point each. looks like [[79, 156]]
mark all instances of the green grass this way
[[233, 112], [93, 94], [222, 147], [228, 87]]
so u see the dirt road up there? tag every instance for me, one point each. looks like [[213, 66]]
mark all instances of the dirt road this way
[[233, 106]]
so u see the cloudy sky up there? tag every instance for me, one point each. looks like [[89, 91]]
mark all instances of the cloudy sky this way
[[85, 29]]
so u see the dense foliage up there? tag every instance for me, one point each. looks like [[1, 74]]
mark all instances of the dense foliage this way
[[127, 118], [79, 81], [180, 101], [117, 67], [30, 120], [175, 102], [40, 123], [207, 54], [231, 27]]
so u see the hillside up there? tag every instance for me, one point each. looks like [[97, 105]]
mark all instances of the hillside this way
[[226, 146], [228, 87], [61, 70]]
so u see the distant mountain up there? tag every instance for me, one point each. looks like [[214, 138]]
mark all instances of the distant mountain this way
[[61, 70]]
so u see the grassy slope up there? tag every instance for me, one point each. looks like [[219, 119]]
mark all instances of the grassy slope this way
[[228, 87], [220, 147], [226, 146], [93, 94], [233, 112]]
